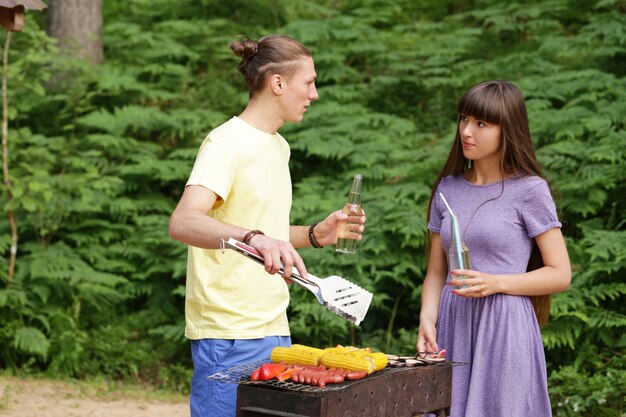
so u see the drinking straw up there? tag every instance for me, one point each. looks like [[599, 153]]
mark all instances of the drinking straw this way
[[455, 228], [446, 203]]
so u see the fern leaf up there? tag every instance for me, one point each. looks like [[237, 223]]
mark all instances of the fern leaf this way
[[31, 340]]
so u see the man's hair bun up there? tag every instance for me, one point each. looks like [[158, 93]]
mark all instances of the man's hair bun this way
[[245, 48]]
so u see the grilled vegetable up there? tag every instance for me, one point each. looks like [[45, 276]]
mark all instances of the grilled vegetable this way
[[338, 349], [348, 362], [306, 348], [345, 349], [349, 358], [271, 370], [285, 375], [297, 354], [380, 360]]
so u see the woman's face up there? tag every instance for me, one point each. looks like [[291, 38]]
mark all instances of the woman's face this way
[[299, 91], [481, 140]]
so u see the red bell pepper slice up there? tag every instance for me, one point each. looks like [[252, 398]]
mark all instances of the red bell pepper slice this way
[[285, 375], [271, 370]]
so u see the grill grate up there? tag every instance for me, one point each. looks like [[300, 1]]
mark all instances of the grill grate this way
[[240, 374], [235, 374]]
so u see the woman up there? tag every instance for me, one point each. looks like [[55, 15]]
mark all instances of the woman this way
[[240, 187], [484, 317]]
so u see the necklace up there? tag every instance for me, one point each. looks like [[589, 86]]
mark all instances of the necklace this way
[[482, 204]]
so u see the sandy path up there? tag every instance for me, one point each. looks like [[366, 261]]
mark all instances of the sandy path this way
[[38, 397]]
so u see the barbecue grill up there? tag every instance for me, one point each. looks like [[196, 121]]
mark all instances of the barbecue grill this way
[[397, 392]]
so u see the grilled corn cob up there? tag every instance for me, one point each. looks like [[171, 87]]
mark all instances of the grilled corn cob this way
[[380, 360], [348, 362], [297, 354], [360, 353], [306, 348], [338, 349]]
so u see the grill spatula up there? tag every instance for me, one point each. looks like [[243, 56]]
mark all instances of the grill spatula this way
[[337, 294]]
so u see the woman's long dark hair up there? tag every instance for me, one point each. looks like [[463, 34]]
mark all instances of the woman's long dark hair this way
[[501, 103]]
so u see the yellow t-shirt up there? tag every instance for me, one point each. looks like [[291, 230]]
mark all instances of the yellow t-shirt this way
[[227, 295]]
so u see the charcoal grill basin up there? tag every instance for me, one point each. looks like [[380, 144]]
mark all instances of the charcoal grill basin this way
[[392, 392]]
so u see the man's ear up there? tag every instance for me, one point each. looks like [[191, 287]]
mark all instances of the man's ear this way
[[277, 84]]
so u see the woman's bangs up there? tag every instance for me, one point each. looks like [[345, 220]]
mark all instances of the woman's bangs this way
[[483, 104]]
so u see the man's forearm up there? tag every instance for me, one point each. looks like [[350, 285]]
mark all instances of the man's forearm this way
[[202, 231], [299, 236]]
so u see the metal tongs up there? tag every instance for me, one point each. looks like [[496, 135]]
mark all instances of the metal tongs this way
[[342, 297]]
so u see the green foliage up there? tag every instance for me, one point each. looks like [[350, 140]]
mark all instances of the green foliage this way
[[99, 158], [31, 340], [594, 387]]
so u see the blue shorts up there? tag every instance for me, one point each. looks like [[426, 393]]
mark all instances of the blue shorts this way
[[209, 398]]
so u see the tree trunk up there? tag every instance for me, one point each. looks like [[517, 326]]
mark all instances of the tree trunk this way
[[5, 157], [77, 24]]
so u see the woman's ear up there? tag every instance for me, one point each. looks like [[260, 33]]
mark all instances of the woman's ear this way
[[276, 84]]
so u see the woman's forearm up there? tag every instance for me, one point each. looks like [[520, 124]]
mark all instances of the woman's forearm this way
[[554, 277], [431, 295], [546, 280]]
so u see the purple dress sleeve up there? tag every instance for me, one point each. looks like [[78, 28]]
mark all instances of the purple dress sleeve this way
[[434, 223], [538, 210]]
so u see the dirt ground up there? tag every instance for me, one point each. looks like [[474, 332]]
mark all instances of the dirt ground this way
[[28, 397]]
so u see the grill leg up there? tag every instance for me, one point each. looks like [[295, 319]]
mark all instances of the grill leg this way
[[444, 412]]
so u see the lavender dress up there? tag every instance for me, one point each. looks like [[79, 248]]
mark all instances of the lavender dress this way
[[496, 336]]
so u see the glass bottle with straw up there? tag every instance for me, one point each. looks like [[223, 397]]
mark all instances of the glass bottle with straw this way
[[458, 255]]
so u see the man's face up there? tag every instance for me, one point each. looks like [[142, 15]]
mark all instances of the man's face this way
[[299, 91]]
